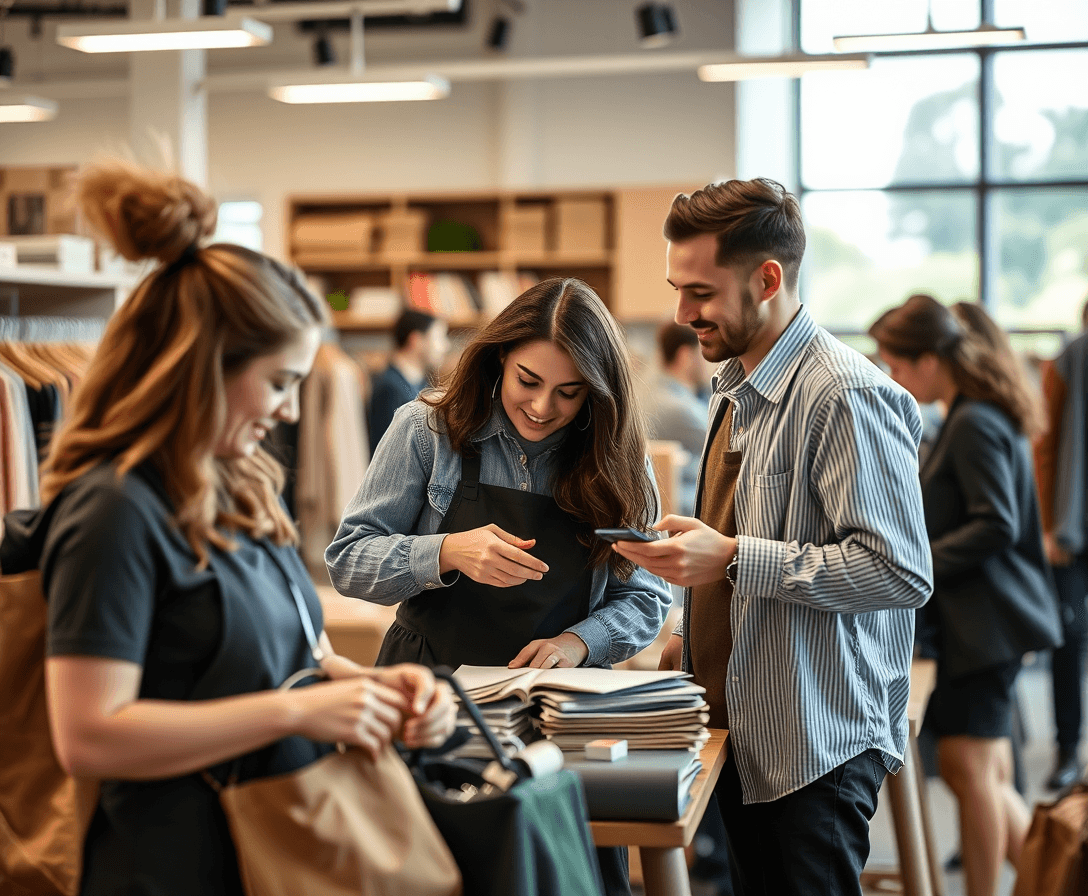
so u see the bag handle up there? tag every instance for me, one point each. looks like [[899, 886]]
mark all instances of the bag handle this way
[[445, 673]]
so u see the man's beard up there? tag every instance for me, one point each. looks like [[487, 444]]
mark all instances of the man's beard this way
[[734, 341]]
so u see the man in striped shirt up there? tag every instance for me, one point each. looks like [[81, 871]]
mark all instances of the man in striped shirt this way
[[807, 556]]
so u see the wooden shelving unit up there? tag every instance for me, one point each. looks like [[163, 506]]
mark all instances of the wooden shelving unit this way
[[27, 290], [619, 249]]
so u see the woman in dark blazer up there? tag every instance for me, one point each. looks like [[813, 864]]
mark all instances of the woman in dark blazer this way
[[993, 599]]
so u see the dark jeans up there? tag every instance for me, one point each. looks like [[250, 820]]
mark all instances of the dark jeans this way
[[614, 870], [810, 842], [1067, 661]]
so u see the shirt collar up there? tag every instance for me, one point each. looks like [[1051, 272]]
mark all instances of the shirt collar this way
[[773, 374]]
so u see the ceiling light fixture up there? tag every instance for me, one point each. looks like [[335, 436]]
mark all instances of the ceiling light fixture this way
[[985, 35], [341, 91], [203, 33], [352, 88], [26, 108], [656, 24], [786, 66]]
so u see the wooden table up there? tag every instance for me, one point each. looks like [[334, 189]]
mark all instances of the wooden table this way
[[919, 869], [661, 843]]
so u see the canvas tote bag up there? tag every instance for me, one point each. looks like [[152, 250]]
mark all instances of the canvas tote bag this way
[[1054, 860], [342, 825], [44, 812]]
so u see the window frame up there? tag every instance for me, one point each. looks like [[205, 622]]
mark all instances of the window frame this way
[[984, 186]]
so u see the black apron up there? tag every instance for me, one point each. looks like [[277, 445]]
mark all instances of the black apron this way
[[482, 625]]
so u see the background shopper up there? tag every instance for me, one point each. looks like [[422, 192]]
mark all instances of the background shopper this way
[[992, 599]]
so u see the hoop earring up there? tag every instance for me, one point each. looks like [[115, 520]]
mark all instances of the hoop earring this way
[[589, 417], [495, 389]]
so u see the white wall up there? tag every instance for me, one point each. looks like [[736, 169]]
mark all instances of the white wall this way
[[645, 129]]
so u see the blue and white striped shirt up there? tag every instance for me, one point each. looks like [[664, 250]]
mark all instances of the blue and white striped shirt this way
[[832, 558]]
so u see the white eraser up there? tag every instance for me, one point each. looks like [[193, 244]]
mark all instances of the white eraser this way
[[606, 749]]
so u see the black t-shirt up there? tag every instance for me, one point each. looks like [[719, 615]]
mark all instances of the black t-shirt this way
[[122, 583]]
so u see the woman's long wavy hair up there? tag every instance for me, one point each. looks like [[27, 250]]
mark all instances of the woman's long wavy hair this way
[[155, 390], [975, 349], [602, 479]]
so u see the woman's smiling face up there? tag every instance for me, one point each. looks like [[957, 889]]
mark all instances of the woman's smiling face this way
[[542, 390]]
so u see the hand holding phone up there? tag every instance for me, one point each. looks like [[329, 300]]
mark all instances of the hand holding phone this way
[[627, 534]]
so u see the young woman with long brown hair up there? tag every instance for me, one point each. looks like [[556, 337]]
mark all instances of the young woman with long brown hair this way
[[169, 561], [477, 512], [992, 594]]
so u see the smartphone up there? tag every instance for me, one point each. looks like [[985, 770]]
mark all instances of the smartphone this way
[[613, 535]]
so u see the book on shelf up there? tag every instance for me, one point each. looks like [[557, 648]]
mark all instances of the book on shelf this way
[[447, 295], [377, 302], [497, 290], [645, 785]]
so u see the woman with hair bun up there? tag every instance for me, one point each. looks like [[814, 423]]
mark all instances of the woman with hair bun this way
[[992, 596], [169, 561]]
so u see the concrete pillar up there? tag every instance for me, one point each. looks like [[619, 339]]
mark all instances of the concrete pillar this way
[[167, 105]]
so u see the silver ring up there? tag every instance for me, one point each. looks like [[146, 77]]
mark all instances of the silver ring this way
[[555, 660]]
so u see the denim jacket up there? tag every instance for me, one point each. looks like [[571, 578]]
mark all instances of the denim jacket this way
[[386, 549]]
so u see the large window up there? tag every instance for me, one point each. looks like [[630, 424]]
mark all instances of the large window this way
[[962, 173]]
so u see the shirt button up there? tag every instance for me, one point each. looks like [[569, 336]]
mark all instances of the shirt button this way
[[735, 678], [740, 429], [523, 458], [524, 486]]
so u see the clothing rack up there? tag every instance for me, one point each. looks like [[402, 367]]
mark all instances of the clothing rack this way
[[51, 329]]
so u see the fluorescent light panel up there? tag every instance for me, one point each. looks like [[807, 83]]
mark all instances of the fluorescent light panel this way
[[26, 108], [429, 88], [983, 36], [204, 33], [789, 66]]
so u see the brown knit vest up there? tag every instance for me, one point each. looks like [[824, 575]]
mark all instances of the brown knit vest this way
[[710, 633]]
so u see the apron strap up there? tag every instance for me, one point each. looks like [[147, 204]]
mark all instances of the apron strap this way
[[470, 477]]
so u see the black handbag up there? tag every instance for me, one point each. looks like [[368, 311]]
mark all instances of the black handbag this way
[[532, 839]]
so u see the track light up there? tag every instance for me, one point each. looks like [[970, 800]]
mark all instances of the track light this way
[[499, 33], [656, 24], [324, 54]]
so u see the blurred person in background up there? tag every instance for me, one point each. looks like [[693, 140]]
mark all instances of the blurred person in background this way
[[675, 409], [1061, 464], [420, 345], [993, 597]]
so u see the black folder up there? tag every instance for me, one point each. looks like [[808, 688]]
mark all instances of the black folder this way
[[645, 785]]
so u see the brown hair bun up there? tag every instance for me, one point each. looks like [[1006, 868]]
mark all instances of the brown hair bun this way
[[142, 212]]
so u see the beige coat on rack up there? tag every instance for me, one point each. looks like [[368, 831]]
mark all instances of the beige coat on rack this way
[[333, 449]]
